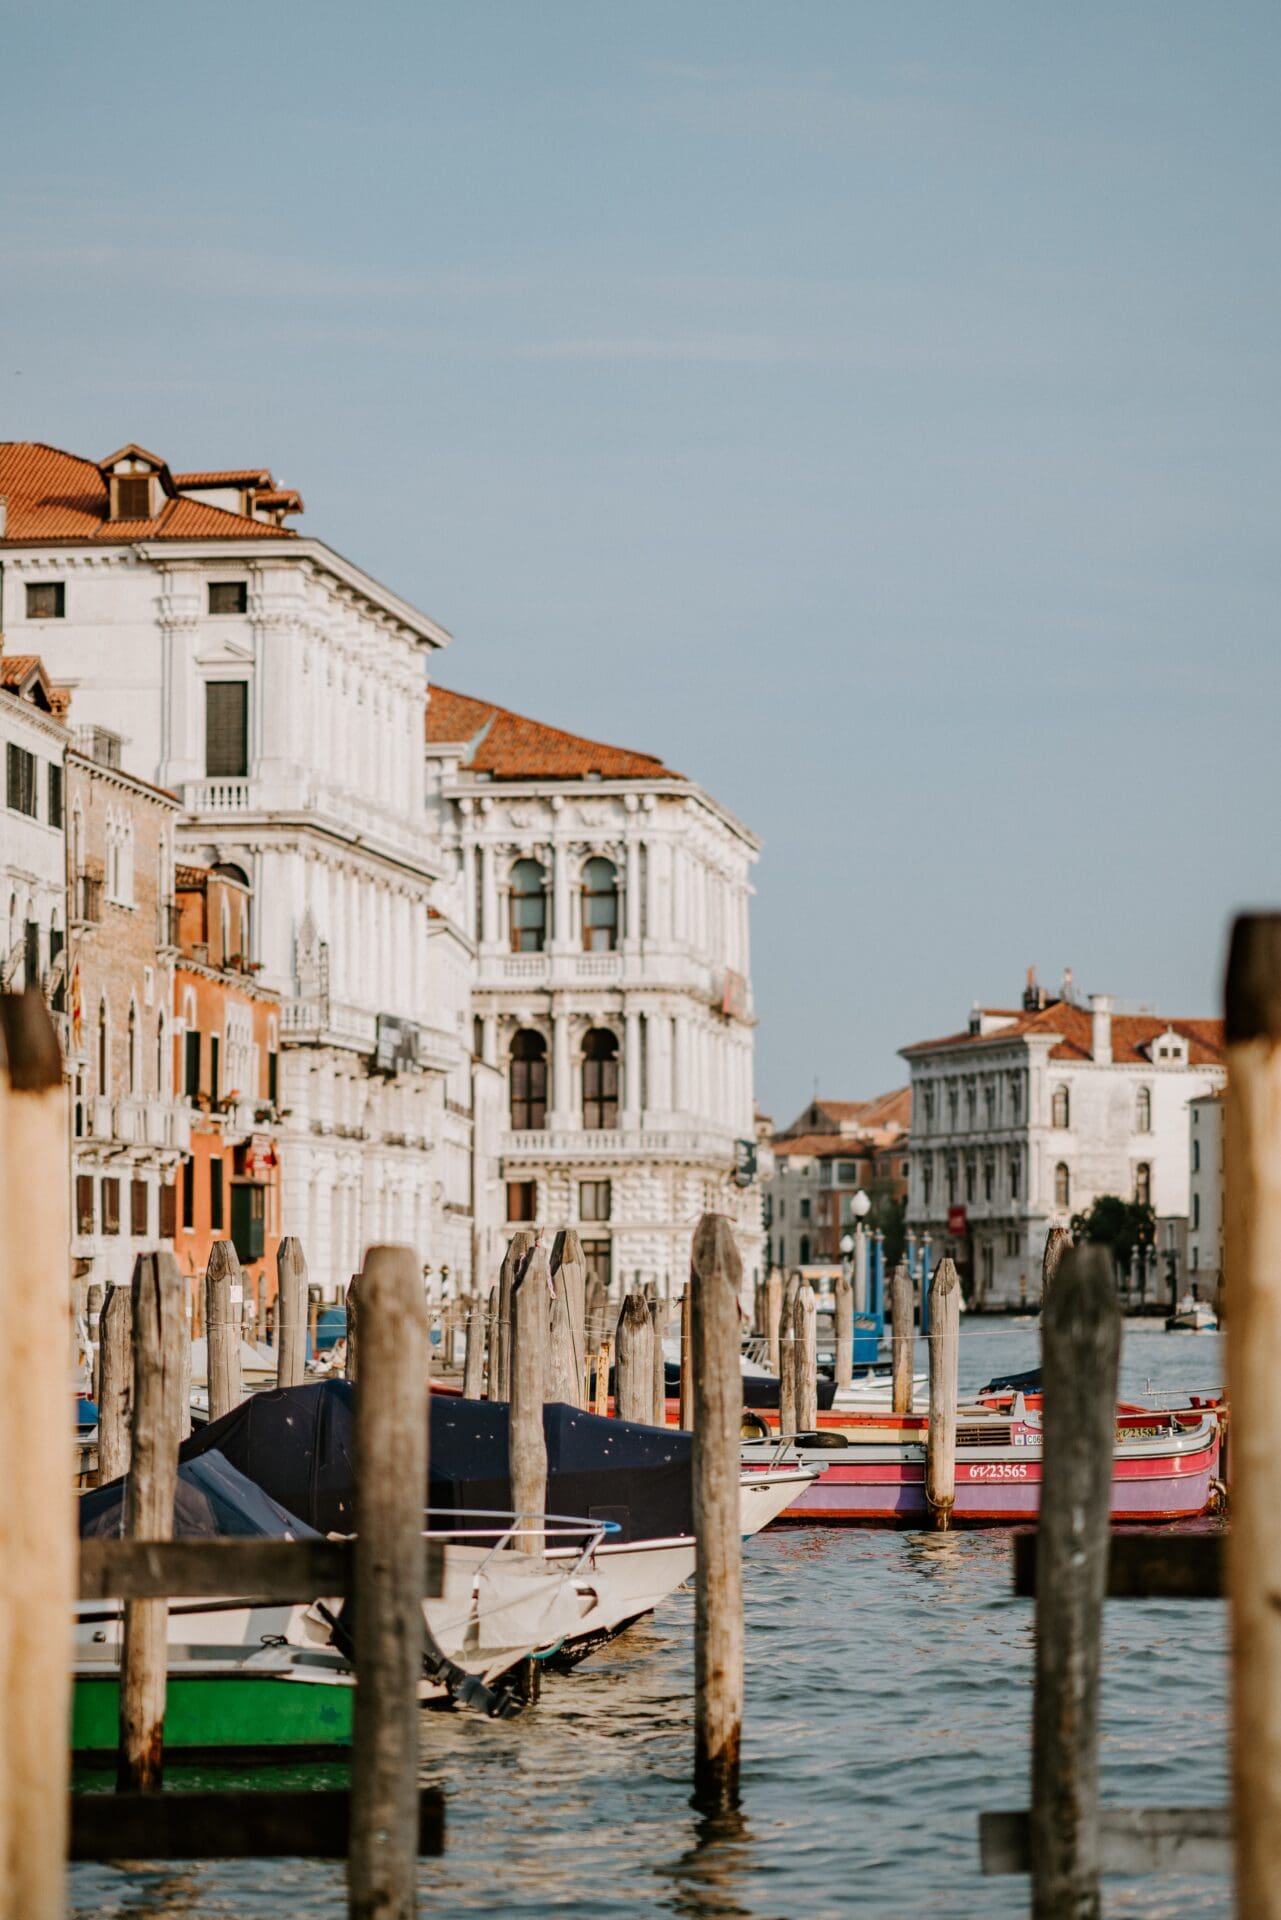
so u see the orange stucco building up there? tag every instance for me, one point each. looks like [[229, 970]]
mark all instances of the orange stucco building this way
[[227, 1045]]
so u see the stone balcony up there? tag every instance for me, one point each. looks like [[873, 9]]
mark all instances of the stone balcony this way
[[644, 967], [619, 1143], [159, 1125]]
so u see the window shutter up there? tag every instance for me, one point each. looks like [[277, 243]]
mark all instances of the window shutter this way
[[133, 497], [84, 1203], [138, 1208], [55, 794], [215, 1195], [227, 729], [168, 1213]]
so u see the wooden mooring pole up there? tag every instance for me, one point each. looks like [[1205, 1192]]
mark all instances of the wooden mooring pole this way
[[474, 1353], [902, 1335], [491, 1346], [658, 1318], [1058, 1241], [843, 1319], [688, 1362], [159, 1326], [634, 1361], [1252, 1284], [390, 1446], [1080, 1352], [517, 1247], [787, 1377], [716, 1274], [805, 1358], [115, 1385], [291, 1313], [351, 1359], [773, 1318], [527, 1444], [569, 1277], [93, 1326], [945, 1354], [37, 1521], [224, 1303]]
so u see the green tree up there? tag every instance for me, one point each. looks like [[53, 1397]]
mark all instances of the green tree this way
[[888, 1215], [1119, 1224]]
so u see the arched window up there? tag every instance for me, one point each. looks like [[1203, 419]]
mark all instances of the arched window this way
[[104, 1074], [1060, 1111], [529, 1082], [1143, 1110], [600, 906], [528, 907], [805, 1249], [600, 1079], [1062, 1187], [1143, 1184], [135, 1051]]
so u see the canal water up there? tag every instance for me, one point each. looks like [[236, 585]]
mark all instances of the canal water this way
[[888, 1701]]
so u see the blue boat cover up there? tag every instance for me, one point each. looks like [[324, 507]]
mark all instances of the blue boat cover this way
[[212, 1501]]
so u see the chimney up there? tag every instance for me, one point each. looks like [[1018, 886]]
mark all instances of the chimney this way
[[1101, 1021]]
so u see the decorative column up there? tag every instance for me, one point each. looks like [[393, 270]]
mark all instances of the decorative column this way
[[564, 1110], [631, 1070], [488, 856], [659, 1027], [562, 922], [631, 936]]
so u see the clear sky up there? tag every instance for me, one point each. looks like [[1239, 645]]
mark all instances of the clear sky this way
[[871, 409]]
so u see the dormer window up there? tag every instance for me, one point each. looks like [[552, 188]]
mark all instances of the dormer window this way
[[228, 596], [131, 496]]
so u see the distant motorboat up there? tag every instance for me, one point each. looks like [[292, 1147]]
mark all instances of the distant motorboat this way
[[1192, 1316]]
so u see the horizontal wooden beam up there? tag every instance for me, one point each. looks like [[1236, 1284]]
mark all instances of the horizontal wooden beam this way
[[267, 1570], [1144, 1566], [242, 1825], [1132, 1840]]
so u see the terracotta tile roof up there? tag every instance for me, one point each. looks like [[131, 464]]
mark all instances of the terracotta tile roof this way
[[227, 477], [190, 879], [1132, 1034], [14, 667], [53, 495], [823, 1146], [24, 676], [510, 747], [825, 1118]]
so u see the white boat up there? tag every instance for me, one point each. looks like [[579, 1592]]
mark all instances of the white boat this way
[[1192, 1316]]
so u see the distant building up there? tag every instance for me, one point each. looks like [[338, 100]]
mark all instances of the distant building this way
[[227, 1070], [129, 1131], [607, 900], [829, 1153], [33, 880], [1031, 1113], [1205, 1194]]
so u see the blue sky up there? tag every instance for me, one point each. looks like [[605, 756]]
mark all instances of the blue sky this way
[[873, 410]]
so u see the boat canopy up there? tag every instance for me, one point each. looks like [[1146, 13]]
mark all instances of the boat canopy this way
[[212, 1501], [296, 1444]]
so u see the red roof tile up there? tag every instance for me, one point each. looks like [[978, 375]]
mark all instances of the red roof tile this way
[[510, 747], [825, 1118], [53, 495], [1132, 1033], [227, 477]]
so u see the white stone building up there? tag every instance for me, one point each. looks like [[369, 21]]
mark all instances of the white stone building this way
[[33, 879], [607, 897], [1030, 1114], [278, 691], [1205, 1194]]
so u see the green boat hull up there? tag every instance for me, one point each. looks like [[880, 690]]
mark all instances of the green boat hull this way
[[225, 1715]]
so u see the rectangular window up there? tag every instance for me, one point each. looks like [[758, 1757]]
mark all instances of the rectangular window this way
[[597, 1256], [21, 777], [248, 1218], [57, 940], [110, 1204], [215, 1195], [805, 1209], [593, 1199], [31, 953], [55, 794], [168, 1212], [228, 596], [188, 1194], [214, 1050], [522, 1200], [273, 1079], [46, 600], [84, 1203], [191, 1063], [133, 496], [138, 1208], [227, 729]]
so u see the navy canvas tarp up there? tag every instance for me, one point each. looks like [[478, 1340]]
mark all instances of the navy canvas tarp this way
[[212, 1501], [296, 1443]]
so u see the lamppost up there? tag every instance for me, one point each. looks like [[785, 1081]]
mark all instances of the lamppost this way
[[860, 1207]]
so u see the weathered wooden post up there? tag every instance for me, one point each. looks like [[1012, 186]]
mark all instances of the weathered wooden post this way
[[902, 1314], [93, 1326], [773, 1318], [600, 1402], [527, 1444], [1058, 1241], [115, 1386], [517, 1247], [1252, 1288], [569, 1277], [224, 1298], [716, 1273], [149, 1496], [313, 1318], [1080, 1350], [945, 1356], [596, 1312], [787, 1376], [291, 1313], [844, 1329], [474, 1355], [390, 1447], [37, 1521], [688, 1362], [491, 1346], [184, 1359], [658, 1317], [350, 1361], [805, 1358], [634, 1347]]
